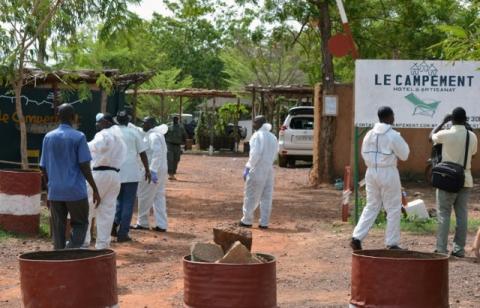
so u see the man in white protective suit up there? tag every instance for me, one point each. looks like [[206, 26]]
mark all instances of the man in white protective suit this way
[[259, 175], [153, 193], [108, 154], [381, 148]]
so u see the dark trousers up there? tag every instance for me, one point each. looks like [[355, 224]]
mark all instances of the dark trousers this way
[[78, 211], [173, 157]]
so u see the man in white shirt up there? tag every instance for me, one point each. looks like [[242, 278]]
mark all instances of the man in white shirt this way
[[153, 193], [130, 175], [381, 148], [259, 175], [453, 142], [108, 154]]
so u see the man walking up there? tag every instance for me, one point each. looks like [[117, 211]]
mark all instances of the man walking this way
[[130, 175], [381, 148], [108, 152], [154, 193], [453, 142], [259, 175], [65, 164], [175, 137]]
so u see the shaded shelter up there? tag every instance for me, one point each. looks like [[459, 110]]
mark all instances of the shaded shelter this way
[[269, 103]]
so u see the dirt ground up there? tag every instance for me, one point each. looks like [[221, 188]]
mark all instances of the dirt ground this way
[[306, 236]]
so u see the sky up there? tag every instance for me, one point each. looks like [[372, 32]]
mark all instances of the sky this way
[[148, 7]]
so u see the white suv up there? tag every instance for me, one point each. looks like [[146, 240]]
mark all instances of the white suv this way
[[295, 140]]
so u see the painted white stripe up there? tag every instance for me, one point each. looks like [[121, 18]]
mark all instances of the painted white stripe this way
[[19, 204], [341, 9]]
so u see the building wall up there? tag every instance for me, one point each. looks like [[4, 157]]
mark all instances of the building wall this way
[[416, 138]]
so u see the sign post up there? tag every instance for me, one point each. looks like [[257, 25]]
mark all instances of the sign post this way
[[420, 92]]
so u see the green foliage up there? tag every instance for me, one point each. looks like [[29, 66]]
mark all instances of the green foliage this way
[[202, 128], [168, 79], [462, 40], [272, 61], [231, 113]]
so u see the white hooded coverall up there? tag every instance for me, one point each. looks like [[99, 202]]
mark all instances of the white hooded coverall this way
[[151, 194], [260, 180], [381, 148], [108, 150]]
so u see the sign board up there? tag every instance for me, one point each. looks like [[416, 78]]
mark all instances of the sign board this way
[[330, 105], [420, 92], [40, 117]]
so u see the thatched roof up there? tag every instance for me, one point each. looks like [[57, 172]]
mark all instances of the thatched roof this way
[[37, 77], [282, 90], [187, 92]]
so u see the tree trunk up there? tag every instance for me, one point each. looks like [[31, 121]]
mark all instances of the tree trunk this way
[[42, 49], [325, 166], [21, 120]]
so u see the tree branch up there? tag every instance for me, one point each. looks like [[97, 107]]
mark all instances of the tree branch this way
[[43, 23]]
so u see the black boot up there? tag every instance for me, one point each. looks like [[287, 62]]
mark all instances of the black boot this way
[[356, 244]]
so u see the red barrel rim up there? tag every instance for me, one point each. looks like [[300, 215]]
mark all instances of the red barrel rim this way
[[399, 255], [270, 258], [97, 254]]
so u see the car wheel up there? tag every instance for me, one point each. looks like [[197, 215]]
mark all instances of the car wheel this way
[[282, 161]]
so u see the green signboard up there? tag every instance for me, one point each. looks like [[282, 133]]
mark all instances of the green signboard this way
[[40, 118]]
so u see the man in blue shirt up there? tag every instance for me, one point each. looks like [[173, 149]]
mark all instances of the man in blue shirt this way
[[65, 164]]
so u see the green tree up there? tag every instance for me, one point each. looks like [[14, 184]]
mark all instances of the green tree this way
[[462, 39], [25, 22], [161, 107], [190, 42]]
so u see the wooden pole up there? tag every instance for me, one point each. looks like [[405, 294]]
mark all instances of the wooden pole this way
[[262, 103], [134, 104], [237, 136], [103, 101], [181, 110], [317, 116], [211, 148], [162, 108]]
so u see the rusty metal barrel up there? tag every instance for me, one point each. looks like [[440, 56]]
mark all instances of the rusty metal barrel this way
[[399, 278], [69, 278], [214, 285], [20, 198]]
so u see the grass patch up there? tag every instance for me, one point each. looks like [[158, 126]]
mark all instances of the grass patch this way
[[44, 223], [44, 228], [417, 226], [4, 235]]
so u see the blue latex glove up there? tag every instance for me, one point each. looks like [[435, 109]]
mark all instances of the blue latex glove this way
[[154, 177], [246, 172]]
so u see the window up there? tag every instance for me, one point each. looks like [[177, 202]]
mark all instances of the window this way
[[302, 123]]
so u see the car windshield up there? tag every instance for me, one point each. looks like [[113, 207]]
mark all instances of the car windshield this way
[[302, 123]]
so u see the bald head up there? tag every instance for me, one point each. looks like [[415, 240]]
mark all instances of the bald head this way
[[258, 122], [66, 113]]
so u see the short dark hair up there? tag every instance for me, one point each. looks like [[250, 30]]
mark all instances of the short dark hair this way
[[384, 112], [108, 117], [122, 117], [459, 115]]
